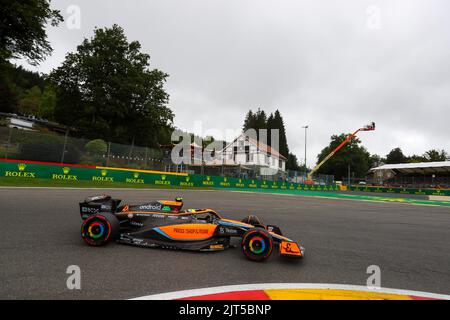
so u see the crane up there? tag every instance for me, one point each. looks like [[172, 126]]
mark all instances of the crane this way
[[369, 127]]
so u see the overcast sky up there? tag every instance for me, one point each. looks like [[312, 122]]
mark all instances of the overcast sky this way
[[334, 65]]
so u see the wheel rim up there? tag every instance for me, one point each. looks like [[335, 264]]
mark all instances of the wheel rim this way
[[96, 231], [257, 245]]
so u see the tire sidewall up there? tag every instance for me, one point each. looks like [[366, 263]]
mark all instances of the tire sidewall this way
[[110, 229], [253, 233]]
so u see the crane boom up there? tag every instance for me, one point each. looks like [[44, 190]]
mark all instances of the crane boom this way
[[369, 127]]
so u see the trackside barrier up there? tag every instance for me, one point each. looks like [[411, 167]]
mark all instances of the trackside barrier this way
[[430, 192], [55, 171]]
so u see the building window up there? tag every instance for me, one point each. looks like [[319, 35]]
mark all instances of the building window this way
[[247, 153]]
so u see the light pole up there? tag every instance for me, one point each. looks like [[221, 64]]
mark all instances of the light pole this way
[[306, 170]]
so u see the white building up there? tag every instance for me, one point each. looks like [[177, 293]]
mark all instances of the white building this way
[[247, 151]]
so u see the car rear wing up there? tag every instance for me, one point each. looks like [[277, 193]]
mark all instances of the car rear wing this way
[[98, 204]]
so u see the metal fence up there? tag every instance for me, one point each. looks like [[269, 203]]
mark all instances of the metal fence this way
[[53, 147]]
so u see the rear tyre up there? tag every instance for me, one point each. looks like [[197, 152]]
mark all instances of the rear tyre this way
[[257, 244], [98, 229]]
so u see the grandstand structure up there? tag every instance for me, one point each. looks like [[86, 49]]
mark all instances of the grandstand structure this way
[[414, 175]]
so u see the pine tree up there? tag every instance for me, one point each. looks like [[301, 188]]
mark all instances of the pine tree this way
[[249, 121], [278, 123]]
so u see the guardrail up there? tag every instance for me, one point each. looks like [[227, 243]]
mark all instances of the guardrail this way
[[70, 172]]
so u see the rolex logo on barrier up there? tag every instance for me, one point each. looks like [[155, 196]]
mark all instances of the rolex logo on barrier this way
[[20, 173], [163, 180], [252, 184], [65, 175], [103, 177], [135, 179], [240, 184], [225, 182], [208, 181], [186, 182]]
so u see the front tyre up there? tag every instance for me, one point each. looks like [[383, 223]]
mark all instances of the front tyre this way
[[257, 244], [98, 229]]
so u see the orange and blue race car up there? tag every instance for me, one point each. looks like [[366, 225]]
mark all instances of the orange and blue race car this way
[[163, 224]]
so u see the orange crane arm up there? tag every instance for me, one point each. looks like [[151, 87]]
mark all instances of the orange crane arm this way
[[369, 127]]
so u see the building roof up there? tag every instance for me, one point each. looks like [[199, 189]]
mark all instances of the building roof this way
[[419, 168], [261, 146]]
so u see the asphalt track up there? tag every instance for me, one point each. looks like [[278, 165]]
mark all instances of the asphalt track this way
[[40, 239]]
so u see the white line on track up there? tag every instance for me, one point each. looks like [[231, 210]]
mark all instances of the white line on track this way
[[269, 286]]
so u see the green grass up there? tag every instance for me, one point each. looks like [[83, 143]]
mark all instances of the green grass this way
[[23, 182]]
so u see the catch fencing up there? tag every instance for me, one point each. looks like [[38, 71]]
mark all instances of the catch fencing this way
[[52, 147]]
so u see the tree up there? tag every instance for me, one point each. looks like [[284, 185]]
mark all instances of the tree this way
[[47, 104], [435, 155], [292, 163], [29, 103], [14, 84], [396, 156], [259, 120], [107, 91], [249, 121], [23, 29], [256, 121], [416, 158], [278, 123], [96, 147], [352, 154], [376, 161]]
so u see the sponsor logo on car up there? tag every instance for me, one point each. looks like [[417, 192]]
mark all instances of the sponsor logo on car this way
[[186, 230], [137, 224], [90, 210], [150, 206], [227, 230]]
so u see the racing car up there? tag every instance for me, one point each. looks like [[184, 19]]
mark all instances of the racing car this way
[[164, 224]]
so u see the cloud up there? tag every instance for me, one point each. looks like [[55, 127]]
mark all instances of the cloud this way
[[322, 63]]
